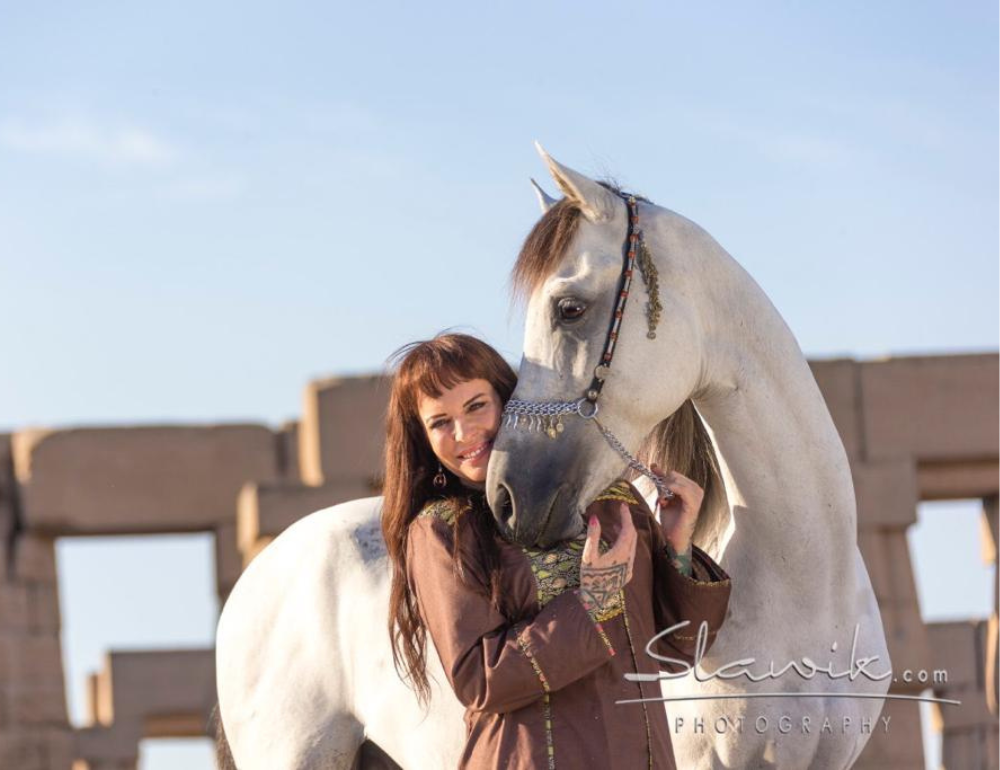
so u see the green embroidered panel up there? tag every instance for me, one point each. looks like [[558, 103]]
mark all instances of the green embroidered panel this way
[[558, 570]]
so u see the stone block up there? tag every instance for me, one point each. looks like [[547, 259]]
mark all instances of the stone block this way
[[971, 714], [14, 607], [23, 750], [34, 558], [99, 764], [838, 381], [266, 510], [100, 698], [288, 451], [906, 637], [60, 748], [138, 480], [958, 479], [992, 673], [341, 435], [37, 705], [110, 747], [174, 726], [43, 609], [228, 562], [962, 750], [886, 492], [900, 746], [931, 407], [8, 655], [31, 660], [7, 498], [954, 648], [988, 534], [40, 660], [163, 683], [95, 764], [887, 556]]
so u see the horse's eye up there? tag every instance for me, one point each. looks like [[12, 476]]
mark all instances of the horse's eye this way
[[571, 309]]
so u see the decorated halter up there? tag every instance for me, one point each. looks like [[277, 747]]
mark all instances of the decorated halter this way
[[547, 415]]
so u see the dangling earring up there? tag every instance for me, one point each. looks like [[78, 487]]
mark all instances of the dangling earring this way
[[440, 480]]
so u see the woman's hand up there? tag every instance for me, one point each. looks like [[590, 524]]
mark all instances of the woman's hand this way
[[602, 576], [678, 515]]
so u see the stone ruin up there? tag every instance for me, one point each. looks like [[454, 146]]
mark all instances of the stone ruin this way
[[915, 429]]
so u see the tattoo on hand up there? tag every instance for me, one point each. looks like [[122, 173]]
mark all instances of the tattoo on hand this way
[[682, 560], [598, 585]]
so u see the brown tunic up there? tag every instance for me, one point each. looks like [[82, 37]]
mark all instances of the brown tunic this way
[[540, 692]]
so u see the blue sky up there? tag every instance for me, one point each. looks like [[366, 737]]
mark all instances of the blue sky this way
[[203, 206]]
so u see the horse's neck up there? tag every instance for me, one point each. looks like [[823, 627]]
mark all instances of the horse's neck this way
[[783, 463]]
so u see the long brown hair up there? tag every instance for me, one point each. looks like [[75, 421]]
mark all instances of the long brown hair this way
[[429, 367]]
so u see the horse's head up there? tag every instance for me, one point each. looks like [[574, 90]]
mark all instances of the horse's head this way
[[541, 480]]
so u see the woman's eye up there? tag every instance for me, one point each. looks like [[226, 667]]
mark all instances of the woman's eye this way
[[570, 309], [437, 424], [477, 405]]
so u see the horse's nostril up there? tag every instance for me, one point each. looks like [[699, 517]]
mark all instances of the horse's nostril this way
[[504, 504]]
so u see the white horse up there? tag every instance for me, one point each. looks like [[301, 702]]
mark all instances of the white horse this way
[[786, 530], [304, 672]]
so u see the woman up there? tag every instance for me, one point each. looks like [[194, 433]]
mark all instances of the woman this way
[[534, 643]]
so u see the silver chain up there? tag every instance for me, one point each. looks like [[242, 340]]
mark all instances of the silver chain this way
[[634, 462]]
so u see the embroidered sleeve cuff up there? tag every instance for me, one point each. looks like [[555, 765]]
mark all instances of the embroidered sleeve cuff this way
[[704, 595], [595, 616]]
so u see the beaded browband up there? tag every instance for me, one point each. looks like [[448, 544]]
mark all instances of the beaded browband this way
[[547, 415]]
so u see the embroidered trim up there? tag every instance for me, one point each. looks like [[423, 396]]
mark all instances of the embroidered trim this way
[[645, 714], [445, 510], [703, 583], [546, 701], [558, 570], [621, 491], [534, 663], [604, 637], [549, 741]]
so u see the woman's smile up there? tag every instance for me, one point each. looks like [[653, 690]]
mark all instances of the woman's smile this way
[[483, 448]]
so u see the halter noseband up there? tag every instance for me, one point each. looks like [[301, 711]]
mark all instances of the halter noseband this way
[[548, 414]]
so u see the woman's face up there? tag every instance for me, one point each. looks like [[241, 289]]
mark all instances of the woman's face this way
[[461, 425]]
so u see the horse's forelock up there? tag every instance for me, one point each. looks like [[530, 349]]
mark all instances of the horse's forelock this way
[[544, 247], [547, 242]]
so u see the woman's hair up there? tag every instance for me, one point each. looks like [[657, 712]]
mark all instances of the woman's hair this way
[[428, 368]]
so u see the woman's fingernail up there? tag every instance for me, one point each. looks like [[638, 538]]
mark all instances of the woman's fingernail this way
[[593, 520]]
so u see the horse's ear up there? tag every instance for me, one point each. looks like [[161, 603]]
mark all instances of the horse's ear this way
[[544, 199], [596, 203]]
